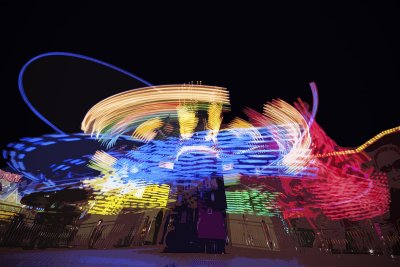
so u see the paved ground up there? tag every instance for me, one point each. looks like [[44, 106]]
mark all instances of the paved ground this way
[[152, 256]]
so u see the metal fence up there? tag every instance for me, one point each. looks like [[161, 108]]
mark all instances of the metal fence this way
[[253, 234], [28, 234], [25, 232]]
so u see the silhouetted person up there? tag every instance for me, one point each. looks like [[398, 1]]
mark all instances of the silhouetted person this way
[[72, 233], [168, 224], [144, 230], [36, 231], [96, 233], [387, 160]]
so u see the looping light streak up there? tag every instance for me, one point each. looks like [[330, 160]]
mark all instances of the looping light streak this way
[[285, 142], [64, 54]]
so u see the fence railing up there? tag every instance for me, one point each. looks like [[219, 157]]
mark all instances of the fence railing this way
[[253, 234], [28, 233]]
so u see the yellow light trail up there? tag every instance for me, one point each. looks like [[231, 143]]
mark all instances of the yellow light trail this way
[[102, 161], [113, 202], [214, 121], [146, 130], [362, 147], [187, 120]]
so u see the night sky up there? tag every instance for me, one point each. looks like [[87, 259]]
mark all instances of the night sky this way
[[257, 52]]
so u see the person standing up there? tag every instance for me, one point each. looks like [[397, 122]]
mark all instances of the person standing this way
[[386, 159], [96, 233]]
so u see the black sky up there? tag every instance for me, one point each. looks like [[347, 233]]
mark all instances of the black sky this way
[[258, 52]]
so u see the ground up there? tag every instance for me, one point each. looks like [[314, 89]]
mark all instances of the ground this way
[[152, 256]]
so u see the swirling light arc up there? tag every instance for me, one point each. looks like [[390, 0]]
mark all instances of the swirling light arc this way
[[279, 130], [64, 54], [122, 113]]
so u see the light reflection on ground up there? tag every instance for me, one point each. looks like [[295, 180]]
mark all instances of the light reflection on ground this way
[[151, 257]]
